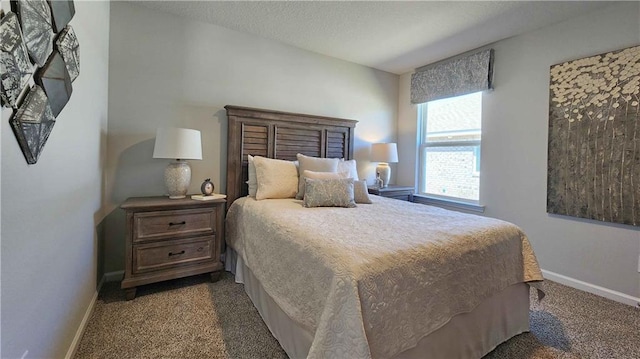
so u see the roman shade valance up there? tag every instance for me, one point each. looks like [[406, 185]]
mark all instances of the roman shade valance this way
[[455, 77]]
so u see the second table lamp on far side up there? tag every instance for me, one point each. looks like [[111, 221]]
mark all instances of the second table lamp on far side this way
[[384, 153], [178, 144]]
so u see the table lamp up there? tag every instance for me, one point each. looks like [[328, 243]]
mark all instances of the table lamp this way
[[384, 153], [179, 144]]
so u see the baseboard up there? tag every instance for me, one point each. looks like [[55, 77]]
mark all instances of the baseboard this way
[[592, 288], [107, 277], [83, 324]]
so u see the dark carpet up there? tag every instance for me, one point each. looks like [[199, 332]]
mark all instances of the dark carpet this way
[[194, 318]]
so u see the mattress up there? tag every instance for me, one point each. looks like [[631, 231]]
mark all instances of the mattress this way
[[375, 280]]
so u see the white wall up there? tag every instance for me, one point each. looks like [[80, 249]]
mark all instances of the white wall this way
[[50, 210], [514, 148], [169, 71]]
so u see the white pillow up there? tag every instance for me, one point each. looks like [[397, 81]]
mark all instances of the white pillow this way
[[360, 192], [276, 178], [313, 164], [253, 181], [349, 166]]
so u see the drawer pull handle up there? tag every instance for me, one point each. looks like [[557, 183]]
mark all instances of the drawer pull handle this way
[[177, 223], [176, 254], [200, 249]]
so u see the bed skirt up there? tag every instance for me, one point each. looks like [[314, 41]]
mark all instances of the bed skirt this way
[[467, 335]]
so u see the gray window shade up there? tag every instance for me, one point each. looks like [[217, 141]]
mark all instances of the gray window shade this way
[[451, 78]]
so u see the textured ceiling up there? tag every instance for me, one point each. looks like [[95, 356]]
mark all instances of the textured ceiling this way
[[393, 36]]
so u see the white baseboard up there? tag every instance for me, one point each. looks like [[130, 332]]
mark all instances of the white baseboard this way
[[83, 324], [592, 288], [107, 277]]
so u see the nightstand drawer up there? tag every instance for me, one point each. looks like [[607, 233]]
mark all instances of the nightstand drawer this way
[[153, 256], [168, 224]]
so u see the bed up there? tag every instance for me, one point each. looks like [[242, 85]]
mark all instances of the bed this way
[[390, 279]]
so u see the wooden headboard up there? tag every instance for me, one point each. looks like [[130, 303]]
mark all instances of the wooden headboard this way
[[280, 135]]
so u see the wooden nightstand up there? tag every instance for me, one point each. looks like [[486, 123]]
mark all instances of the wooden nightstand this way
[[404, 193], [171, 238]]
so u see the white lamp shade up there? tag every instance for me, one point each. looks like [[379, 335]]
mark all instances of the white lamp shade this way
[[384, 152], [178, 143]]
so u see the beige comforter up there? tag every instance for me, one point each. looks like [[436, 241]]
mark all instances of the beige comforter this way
[[371, 281]]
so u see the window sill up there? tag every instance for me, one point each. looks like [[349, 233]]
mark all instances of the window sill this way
[[448, 204]]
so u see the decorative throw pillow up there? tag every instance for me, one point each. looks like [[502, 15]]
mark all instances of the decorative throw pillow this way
[[276, 178], [329, 193], [360, 192], [325, 175], [313, 164], [349, 166], [253, 181]]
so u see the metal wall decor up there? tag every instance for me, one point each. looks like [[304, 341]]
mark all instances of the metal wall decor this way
[[32, 124], [62, 12], [15, 68], [55, 81], [35, 18], [594, 138], [67, 45], [28, 37]]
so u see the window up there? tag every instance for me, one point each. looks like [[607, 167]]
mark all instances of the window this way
[[449, 159]]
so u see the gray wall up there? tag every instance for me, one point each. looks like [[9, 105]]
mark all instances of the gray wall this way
[[170, 71], [50, 210], [514, 148]]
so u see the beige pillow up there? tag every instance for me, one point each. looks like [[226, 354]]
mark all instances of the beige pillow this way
[[253, 181], [276, 178], [360, 192], [349, 166], [325, 175], [313, 164]]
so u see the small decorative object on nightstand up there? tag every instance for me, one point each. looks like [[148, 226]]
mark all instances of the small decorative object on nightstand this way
[[379, 182], [404, 193], [171, 238], [207, 187]]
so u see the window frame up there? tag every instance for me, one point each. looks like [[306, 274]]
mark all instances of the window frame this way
[[423, 145]]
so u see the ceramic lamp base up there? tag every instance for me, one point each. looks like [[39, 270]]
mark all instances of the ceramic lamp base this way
[[385, 173], [177, 177]]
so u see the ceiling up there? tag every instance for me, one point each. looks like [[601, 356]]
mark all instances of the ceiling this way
[[393, 36]]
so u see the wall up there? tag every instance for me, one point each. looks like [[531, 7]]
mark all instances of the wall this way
[[514, 149], [50, 210], [169, 71]]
